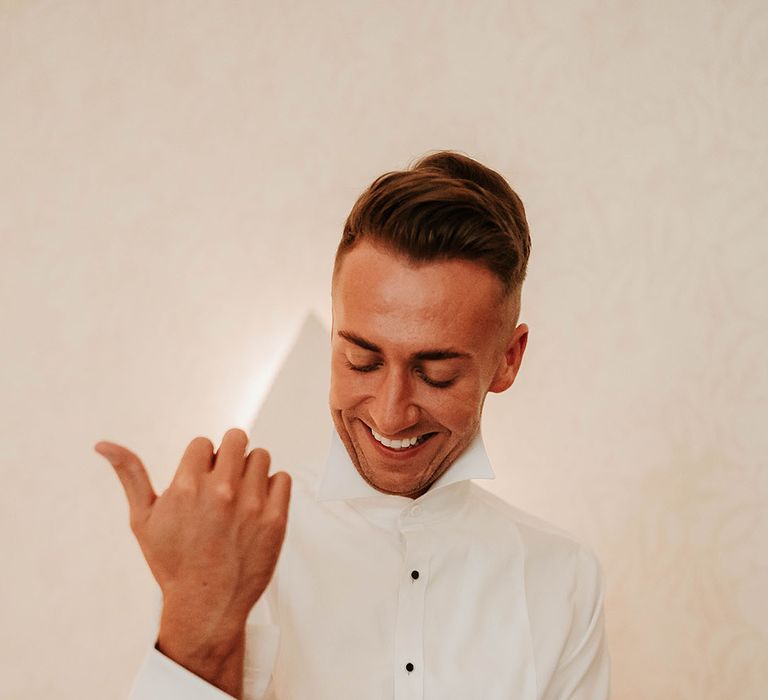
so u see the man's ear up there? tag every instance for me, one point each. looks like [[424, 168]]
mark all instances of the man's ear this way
[[510, 362]]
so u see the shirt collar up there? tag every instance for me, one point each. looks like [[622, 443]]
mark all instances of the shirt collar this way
[[342, 482]]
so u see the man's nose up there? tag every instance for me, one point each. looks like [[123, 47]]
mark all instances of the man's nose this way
[[393, 408]]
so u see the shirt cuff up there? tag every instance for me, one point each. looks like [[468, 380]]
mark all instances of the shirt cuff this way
[[160, 678]]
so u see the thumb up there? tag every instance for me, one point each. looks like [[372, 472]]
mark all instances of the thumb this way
[[133, 476]]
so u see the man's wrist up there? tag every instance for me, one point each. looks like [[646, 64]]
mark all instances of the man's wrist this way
[[214, 654]]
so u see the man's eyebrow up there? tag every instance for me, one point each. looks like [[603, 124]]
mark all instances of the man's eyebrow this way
[[360, 342], [422, 356], [447, 354]]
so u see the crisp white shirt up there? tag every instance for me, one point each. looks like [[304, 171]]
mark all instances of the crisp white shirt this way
[[503, 606]]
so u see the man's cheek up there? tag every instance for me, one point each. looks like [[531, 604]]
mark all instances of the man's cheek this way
[[460, 406], [344, 398]]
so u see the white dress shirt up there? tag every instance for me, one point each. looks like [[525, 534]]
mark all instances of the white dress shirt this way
[[455, 595]]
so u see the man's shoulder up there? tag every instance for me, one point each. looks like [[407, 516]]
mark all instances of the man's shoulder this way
[[543, 543], [560, 572], [524, 520]]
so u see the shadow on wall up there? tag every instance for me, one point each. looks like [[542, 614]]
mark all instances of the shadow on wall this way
[[293, 423]]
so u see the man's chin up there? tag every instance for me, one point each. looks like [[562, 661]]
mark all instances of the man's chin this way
[[396, 489], [394, 484]]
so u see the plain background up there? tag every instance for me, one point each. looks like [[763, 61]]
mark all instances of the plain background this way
[[173, 180]]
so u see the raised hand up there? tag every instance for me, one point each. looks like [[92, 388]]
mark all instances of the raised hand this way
[[212, 540]]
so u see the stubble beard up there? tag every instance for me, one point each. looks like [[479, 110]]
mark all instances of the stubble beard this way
[[345, 434]]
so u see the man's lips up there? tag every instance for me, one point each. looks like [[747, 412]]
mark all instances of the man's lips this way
[[399, 449]]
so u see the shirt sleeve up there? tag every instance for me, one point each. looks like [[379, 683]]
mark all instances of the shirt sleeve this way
[[161, 678], [583, 672]]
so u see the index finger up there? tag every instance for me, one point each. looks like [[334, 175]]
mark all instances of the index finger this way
[[196, 460], [230, 457]]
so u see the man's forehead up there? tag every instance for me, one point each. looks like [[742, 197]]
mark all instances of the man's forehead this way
[[417, 308], [383, 276]]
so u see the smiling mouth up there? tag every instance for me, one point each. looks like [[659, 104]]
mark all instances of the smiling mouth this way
[[401, 445]]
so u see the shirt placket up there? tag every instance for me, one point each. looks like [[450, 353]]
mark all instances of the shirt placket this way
[[409, 630]]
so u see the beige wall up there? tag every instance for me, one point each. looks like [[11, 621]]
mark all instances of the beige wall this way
[[173, 177]]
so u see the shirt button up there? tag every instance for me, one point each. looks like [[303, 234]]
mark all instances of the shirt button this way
[[415, 511], [414, 574], [409, 667]]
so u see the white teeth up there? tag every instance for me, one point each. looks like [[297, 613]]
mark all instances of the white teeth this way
[[395, 444]]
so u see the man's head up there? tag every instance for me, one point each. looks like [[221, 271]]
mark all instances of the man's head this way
[[426, 296]]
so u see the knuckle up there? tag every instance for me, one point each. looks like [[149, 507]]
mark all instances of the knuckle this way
[[282, 476], [280, 481], [224, 493], [274, 519], [236, 434], [252, 505], [184, 487], [201, 442], [259, 456]]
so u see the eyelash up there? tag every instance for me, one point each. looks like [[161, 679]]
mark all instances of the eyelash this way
[[424, 377]]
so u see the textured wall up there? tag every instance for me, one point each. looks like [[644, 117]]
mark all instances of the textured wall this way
[[173, 177]]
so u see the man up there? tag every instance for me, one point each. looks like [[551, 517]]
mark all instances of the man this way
[[399, 577]]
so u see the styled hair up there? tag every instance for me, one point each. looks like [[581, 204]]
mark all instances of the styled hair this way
[[445, 206]]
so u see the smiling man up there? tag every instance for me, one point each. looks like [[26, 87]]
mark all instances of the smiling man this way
[[398, 577]]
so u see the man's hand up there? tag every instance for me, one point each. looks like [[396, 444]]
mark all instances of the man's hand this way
[[212, 540]]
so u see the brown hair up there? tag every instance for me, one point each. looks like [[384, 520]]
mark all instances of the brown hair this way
[[445, 206]]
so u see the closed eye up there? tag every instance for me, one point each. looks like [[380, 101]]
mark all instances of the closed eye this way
[[362, 368], [444, 384]]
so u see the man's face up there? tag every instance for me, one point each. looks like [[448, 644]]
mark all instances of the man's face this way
[[415, 349]]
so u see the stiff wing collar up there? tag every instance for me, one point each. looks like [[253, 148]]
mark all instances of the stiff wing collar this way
[[342, 482]]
